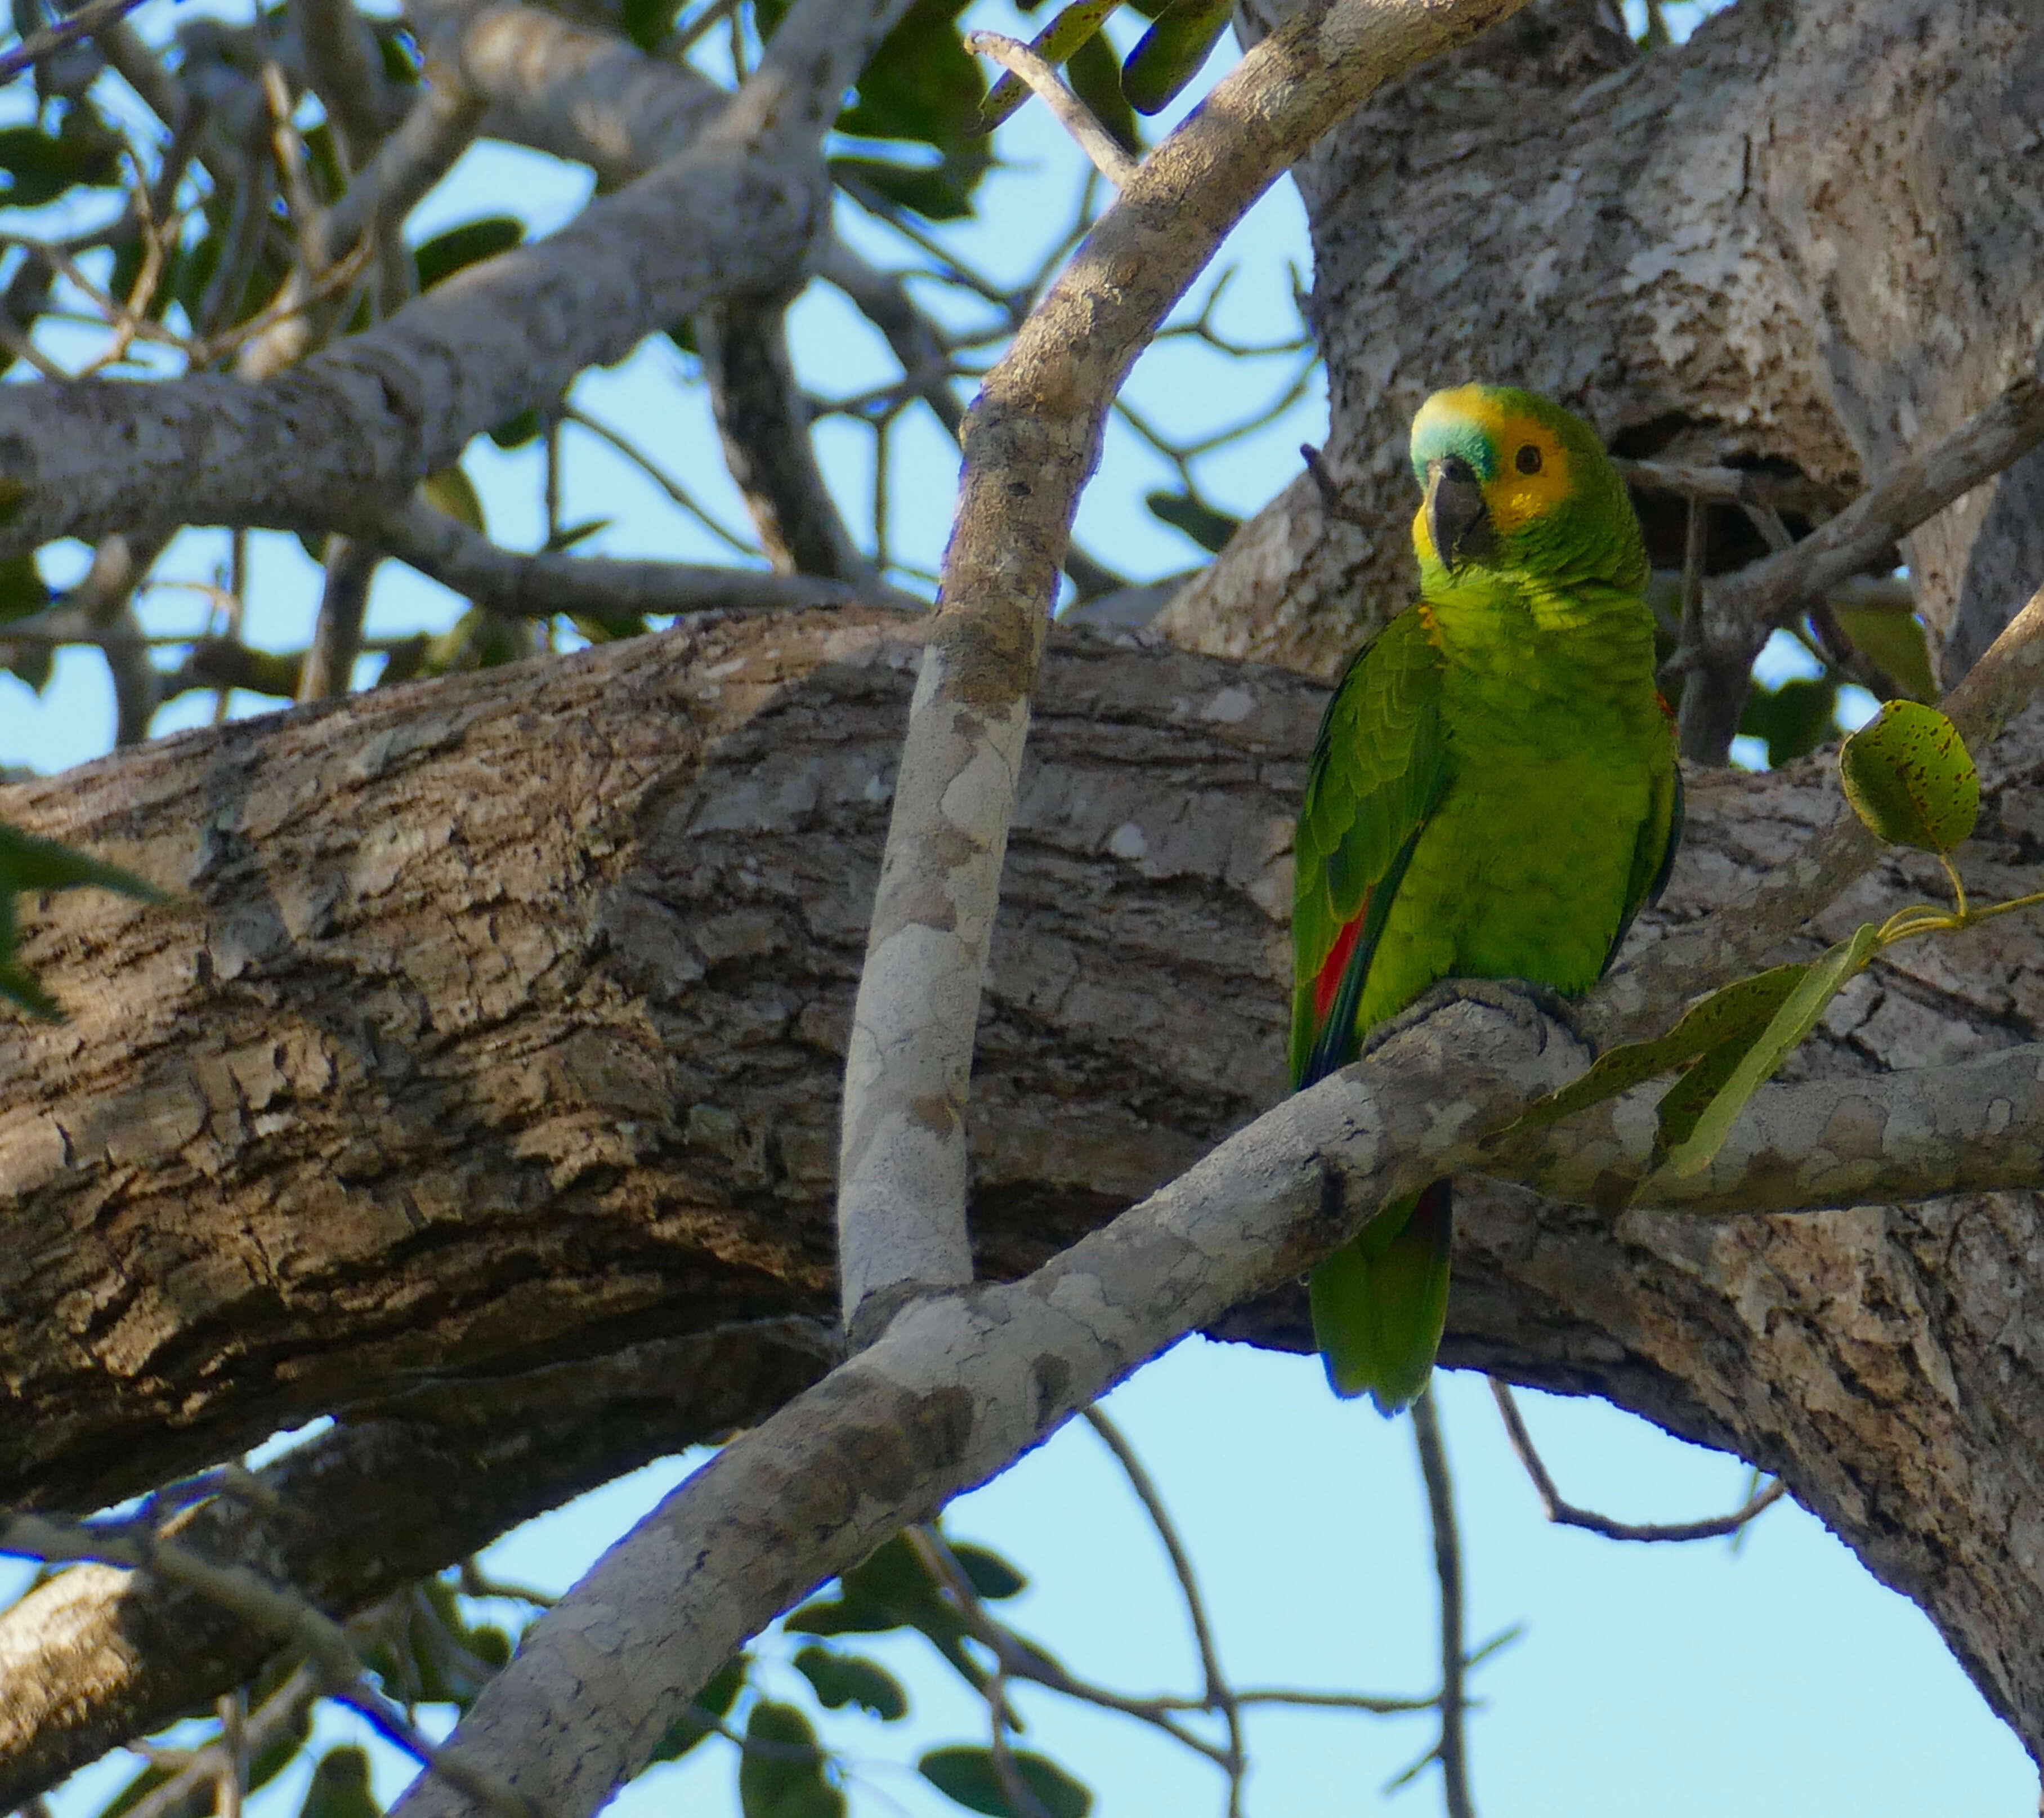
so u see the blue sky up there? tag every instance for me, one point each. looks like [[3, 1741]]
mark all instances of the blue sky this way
[[1777, 1678]]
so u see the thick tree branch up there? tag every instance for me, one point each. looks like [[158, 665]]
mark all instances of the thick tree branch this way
[[365, 420], [588, 96], [1030, 442]]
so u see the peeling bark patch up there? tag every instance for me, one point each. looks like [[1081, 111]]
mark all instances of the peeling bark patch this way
[[1855, 1131], [1051, 1377]]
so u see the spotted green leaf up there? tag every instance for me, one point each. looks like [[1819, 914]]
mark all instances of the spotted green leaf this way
[[1069, 29], [1908, 775]]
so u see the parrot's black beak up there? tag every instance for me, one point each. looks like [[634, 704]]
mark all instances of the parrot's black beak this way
[[1456, 518]]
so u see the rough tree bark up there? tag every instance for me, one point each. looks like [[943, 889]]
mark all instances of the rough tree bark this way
[[403, 1087], [406, 1085]]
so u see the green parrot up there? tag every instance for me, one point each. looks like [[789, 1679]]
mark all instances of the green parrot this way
[[1493, 794]]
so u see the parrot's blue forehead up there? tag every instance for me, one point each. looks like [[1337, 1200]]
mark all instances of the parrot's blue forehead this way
[[1437, 433]]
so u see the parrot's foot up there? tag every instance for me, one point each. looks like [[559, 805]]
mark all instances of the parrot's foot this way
[[1530, 1006]]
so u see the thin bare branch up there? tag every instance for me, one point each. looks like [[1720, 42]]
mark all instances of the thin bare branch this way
[[401, 1491], [329, 665], [1103, 150], [1219, 1695], [94, 16], [1564, 1513], [1452, 1749], [1743, 608], [764, 427], [1639, 998], [596, 587]]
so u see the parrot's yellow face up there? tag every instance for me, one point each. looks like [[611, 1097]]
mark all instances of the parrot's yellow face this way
[[1514, 484]]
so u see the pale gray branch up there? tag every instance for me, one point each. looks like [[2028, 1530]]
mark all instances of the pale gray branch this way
[[1030, 443], [1101, 148]]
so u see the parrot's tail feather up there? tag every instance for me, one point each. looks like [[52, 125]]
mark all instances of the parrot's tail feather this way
[[1380, 1302]]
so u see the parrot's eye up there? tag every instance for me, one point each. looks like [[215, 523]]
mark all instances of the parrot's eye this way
[[1528, 460]]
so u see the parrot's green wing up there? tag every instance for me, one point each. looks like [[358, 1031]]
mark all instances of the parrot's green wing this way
[[1660, 838], [1377, 771]]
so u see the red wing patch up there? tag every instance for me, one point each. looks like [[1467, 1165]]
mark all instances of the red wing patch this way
[[1329, 981]]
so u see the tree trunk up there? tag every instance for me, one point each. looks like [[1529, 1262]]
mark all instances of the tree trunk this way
[[502, 1022]]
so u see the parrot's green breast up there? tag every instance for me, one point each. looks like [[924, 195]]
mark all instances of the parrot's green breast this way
[[1555, 743]]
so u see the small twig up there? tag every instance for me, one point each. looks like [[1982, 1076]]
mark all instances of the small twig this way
[[232, 1708], [476, 1583], [1220, 1694], [1099, 145], [337, 277], [1020, 1663], [273, 1609], [1839, 650], [1333, 506], [94, 16], [1566, 1515], [1451, 1751]]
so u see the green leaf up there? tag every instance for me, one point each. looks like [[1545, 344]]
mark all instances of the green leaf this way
[[340, 1786], [842, 1679], [451, 491], [610, 630], [647, 23], [22, 592], [921, 84], [1908, 775], [1795, 1020], [712, 1705], [477, 639], [1068, 29], [968, 1776], [890, 1590], [991, 1575], [781, 1775], [1095, 74], [1735, 1014], [1172, 52], [441, 257], [1209, 528], [569, 535], [398, 52], [1794, 719], [515, 431], [1895, 641], [42, 166]]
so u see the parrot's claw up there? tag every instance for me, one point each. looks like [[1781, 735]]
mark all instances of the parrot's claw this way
[[1528, 1005]]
